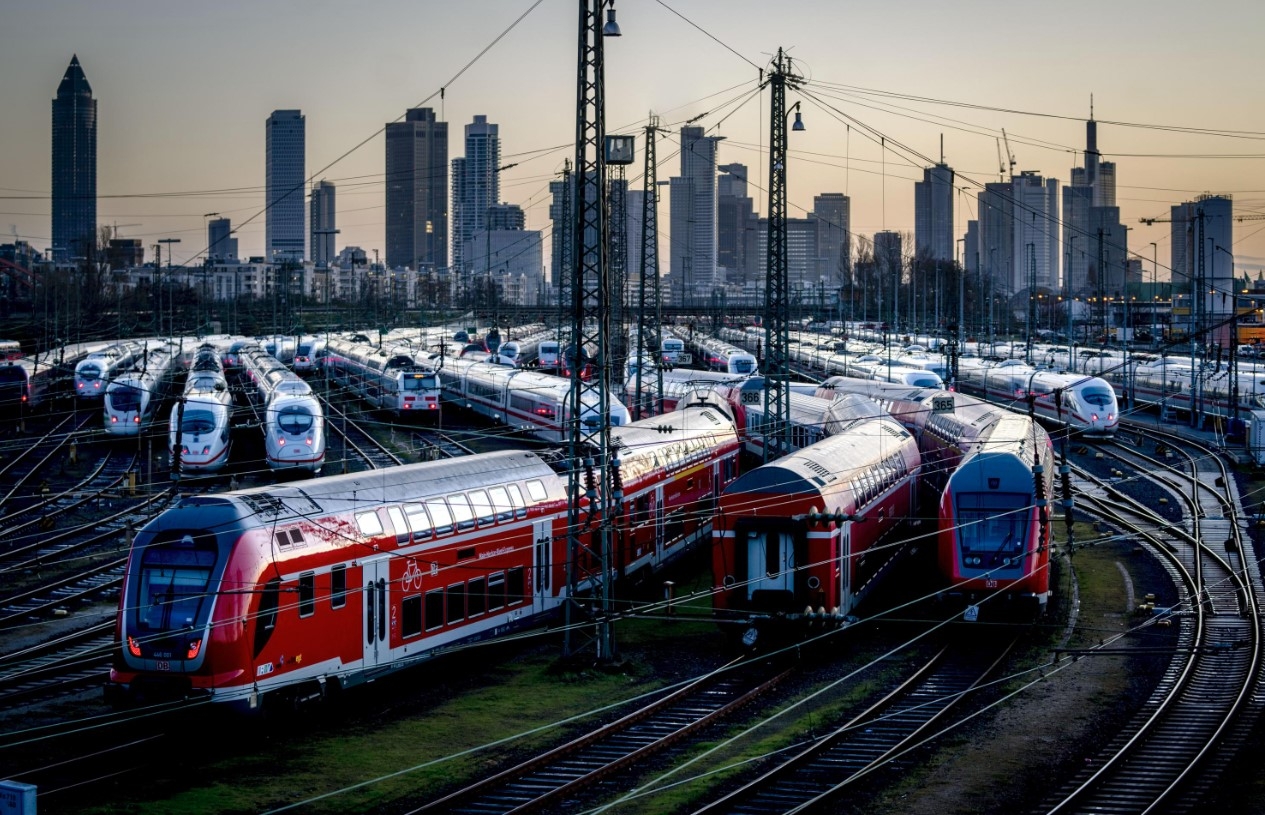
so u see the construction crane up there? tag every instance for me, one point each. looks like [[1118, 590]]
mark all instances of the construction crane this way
[[1009, 155]]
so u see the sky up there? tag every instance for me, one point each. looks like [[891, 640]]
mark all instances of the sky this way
[[184, 89]]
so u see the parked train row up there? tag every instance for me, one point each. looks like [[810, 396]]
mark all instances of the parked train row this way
[[293, 420]]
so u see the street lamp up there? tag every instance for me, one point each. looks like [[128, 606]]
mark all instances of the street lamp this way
[[1234, 336], [171, 298], [1155, 269]]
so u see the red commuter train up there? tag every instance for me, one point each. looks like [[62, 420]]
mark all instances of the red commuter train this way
[[801, 538], [289, 592]]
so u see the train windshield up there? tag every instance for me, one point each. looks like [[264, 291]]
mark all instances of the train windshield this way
[[124, 399], [12, 374], [294, 420], [90, 372], [197, 421], [743, 366], [992, 527], [925, 382], [417, 382], [1099, 397], [174, 582]]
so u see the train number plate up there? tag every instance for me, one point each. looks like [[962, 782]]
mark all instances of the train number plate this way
[[942, 404], [751, 397], [163, 665]]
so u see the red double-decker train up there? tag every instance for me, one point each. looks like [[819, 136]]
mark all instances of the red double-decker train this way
[[289, 592]]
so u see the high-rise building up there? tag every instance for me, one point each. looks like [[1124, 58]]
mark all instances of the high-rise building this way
[[74, 187], [1035, 244], [1089, 205], [889, 264], [933, 213], [997, 237], [692, 210], [220, 244], [1206, 224], [323, 223], [286, 156], [476, 184], [417, 191], [801, 253], [735, 218], [833, 213]]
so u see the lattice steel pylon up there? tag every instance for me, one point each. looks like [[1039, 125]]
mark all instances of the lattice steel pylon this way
[[777, 311], [591, 496], [649, 321]]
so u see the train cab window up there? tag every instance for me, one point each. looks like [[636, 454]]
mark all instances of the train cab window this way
[[482, 506], [440, 514], [514, 586], [456, 602], [338, 587], [418, 521], [307, 594], [370, 525], [516, 498], [266, 619], [536, 490], [411, 616], [434, 609], [401, 528], [461, 512], [496, 591], [476, 597], [501, 503]]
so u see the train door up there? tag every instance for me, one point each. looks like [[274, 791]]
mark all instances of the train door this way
[[656, 512], [844, 565], [770, 564], [542, 534], [377, 607]]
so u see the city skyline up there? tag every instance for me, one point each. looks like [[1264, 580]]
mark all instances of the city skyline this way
[[161, 157]]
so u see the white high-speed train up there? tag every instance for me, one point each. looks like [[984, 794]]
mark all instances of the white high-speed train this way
[[293, 420], [94, 372], [531, 401], [200, 428], [1087, 403], [133, 396], [389, 378]]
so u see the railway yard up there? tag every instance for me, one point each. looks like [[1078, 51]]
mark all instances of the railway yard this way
[[1137, 689]]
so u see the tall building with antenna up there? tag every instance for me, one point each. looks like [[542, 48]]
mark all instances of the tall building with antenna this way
[[74, 187], [286, 158], [1092, 266], [933, 212]]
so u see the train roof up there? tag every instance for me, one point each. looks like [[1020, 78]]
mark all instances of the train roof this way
[[828, 465], [693, 430], [321, 497]]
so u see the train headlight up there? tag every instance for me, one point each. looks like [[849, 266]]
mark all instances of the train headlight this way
[[308, 441], [114, 420], [133, 647], [206, 450], [1094, 416], [281, 441], [194, 648]]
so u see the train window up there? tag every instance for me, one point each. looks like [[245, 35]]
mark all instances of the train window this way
[[516, 498], [411, 616], [369, 524], [338, 587], [514, 586], [456, 602], [482, 506], [501, 502], [397, 521], [307, 594], [461, 512], [496, 591], [434, 609], [476, 597], [418, 520], [440, 514], [536, 490], [371, 625]]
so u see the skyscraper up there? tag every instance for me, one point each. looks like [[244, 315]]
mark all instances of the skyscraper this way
[[417, 191], [1089, 205], [220, 243], [74, 184], [735, 217], [933, 213], [692, 209], [285, 146], [476, 184], [1035, 244], [833, 213], [323, 217]]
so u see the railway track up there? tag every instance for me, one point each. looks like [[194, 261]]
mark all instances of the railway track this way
[[20, 469], [431, 445], [18, 528], [1168, 757], [546, 779], [873, 738], [68, 663], [357, 440]]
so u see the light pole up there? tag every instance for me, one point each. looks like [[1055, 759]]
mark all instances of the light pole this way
[[1234, 337], [1155, 269], [171, 296]]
